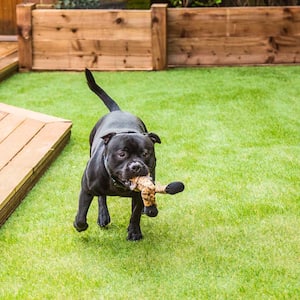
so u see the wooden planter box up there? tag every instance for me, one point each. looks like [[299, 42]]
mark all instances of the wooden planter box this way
[[158, 38], [234, 36]]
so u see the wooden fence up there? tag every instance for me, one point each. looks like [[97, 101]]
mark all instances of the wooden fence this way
[[154, 39], [8, 16]]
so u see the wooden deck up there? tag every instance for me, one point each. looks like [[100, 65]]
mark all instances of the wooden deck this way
[[29, 142], [8, 56]]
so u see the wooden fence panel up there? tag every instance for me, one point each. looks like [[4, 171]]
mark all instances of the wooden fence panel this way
[[8, 16], [233, 36]]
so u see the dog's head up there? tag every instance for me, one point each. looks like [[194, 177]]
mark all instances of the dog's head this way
[[129, 154]]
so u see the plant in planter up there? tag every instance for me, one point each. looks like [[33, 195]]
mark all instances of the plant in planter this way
[[260, 2], [96, 4], [90, 4], [194, 3], [69, 4]]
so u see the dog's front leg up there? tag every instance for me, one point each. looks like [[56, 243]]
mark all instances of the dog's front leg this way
[[134, 230], [85, 200], [103, 213]]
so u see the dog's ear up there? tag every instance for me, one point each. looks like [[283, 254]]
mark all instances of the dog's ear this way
[[106, 138], [154, 138]]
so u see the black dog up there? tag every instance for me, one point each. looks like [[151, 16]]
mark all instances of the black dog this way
[[120, 148]]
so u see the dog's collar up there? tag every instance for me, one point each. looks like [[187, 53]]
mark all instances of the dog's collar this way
[[117, 183]]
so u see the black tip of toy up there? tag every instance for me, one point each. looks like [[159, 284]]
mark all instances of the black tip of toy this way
[[174, 187]]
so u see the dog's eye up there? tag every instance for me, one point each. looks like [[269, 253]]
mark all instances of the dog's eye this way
[[146, 154], [122, 154]]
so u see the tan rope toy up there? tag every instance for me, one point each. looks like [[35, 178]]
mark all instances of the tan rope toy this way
[[148, 189]]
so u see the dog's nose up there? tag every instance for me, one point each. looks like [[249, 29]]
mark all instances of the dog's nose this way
[[135, 167]]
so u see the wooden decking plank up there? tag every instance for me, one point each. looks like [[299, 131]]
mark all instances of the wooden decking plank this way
[[8, 124], [18, 139], [9, 60], [10, 67], [29, 142], [49, 139], [32, 158], [29, 114], [7, 48], [3, 115], [15, 199]]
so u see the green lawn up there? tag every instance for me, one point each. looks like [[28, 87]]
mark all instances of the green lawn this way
[[232, 135]]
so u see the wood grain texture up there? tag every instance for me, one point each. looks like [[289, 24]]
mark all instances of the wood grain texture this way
[[108, 40], [28, 144], [24, 29], [233, 36], [8, 16], [159, 38]]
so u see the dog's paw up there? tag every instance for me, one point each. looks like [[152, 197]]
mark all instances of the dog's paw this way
[[80, 226], [134, 236], [134, 233], [103, 219]]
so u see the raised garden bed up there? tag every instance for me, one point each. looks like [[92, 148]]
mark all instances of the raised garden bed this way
[[51, 39]]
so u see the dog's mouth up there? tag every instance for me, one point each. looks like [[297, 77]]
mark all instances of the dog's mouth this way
[[122, 176], [126, 183], [122, 183]]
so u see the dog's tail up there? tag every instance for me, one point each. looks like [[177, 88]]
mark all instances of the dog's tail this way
[[109, 102]]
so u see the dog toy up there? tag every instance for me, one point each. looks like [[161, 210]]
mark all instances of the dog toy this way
[[148, 189]]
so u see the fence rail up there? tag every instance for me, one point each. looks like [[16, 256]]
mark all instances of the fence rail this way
[[154, 39]]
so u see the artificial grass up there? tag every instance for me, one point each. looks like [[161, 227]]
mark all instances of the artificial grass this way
[[231, 134]]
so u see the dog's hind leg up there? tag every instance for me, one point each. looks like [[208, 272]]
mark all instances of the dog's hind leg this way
[[134, 229], [85, 200], [103, 213]]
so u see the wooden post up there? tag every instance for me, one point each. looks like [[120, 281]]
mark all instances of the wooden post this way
[[159, 36], [24, 28]]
